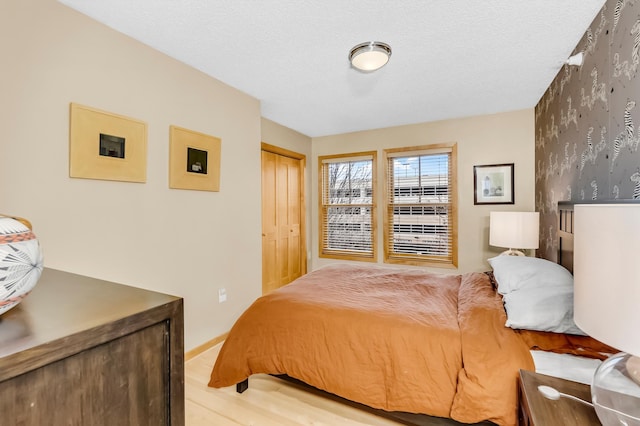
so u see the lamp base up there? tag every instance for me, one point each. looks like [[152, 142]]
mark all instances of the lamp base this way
[[615, 390], [512, 252]]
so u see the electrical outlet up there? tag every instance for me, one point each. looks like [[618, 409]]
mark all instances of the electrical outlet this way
[[222, 295]]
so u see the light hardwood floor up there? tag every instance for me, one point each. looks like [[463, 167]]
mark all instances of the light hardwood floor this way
[[269, 401]]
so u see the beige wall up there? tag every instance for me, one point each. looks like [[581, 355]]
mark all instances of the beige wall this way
[[283, 137], [187, 243], [490, 139]]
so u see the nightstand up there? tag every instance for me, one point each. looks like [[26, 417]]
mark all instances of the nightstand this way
[[537, 410]]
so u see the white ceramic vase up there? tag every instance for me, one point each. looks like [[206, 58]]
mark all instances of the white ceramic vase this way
[[21, 262]]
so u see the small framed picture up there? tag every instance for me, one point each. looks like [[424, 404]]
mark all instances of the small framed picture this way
[[107, 146], [493, 184], [194, 161]]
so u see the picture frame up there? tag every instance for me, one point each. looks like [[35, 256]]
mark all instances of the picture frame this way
[[493, 184], [194, 160], [106, 146]]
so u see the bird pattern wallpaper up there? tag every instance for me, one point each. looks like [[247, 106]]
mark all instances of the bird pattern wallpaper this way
[[586, 137]]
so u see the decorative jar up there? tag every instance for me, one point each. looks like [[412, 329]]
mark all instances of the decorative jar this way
[[21, 261]]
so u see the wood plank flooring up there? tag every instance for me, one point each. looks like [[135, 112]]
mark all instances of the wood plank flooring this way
[[269, 401]]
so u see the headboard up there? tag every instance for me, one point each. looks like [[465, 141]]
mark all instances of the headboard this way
[[565, 227], [565, 234]]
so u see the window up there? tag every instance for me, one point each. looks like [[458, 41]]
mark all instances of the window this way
[[347, 188], [420, 214]]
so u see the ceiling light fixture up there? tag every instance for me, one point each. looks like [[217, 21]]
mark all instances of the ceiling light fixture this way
[[576, 60], [369, 56]]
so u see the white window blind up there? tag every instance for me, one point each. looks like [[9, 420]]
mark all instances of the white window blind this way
[[347, 206], [420, 222]]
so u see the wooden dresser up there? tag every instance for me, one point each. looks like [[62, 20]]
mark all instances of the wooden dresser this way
[[82, 351]]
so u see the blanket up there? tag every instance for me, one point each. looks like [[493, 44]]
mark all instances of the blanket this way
[[394, 339]]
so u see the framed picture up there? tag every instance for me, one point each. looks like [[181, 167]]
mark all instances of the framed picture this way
[[493, 184], [106, 146], [194, 160]]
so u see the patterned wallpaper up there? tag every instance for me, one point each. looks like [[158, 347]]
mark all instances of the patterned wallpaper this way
[[586, 139]]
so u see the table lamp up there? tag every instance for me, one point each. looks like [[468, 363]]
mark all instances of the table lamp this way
[[607, 303], [514, 230]]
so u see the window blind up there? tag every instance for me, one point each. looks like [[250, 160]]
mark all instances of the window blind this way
[[420, 208], [347, 206]]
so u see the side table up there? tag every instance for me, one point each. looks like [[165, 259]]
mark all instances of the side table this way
[[537, 410]]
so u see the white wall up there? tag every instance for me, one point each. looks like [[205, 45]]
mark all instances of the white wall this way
[[489, 139], [186, 243]]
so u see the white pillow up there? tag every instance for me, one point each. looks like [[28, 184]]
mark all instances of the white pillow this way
[[542, 309], [518, 272]]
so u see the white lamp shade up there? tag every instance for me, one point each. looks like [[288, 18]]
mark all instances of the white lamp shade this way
[[518, 230], [607, 273]]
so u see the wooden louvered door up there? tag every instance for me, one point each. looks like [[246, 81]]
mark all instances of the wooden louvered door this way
[[283, 242]]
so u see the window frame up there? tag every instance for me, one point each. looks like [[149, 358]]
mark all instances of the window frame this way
[[324, 252], [449, 261]]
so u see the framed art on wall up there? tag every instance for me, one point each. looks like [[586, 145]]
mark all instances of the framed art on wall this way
[[106, 146], [493, 184], [194, 160]]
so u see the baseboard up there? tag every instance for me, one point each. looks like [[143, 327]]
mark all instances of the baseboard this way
[[204, 347]]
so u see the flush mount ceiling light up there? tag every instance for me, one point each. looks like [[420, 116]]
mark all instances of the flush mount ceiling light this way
[[369, 56], [576, 60]]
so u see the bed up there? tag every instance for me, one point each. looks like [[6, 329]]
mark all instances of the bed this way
[[411, 341]]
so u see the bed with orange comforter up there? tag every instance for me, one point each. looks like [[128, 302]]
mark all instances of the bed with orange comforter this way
[[393, 339]]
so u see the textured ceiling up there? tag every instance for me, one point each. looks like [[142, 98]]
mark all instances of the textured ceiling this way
[[451, 58]]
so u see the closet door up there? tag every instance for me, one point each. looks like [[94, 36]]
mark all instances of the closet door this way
[[269, 222], [283, 244]]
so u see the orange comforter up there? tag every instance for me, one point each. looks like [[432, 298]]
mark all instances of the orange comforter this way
[[395, 339]]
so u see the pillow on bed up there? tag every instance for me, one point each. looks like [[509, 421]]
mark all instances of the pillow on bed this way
[[518, 272], [541, 309]]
